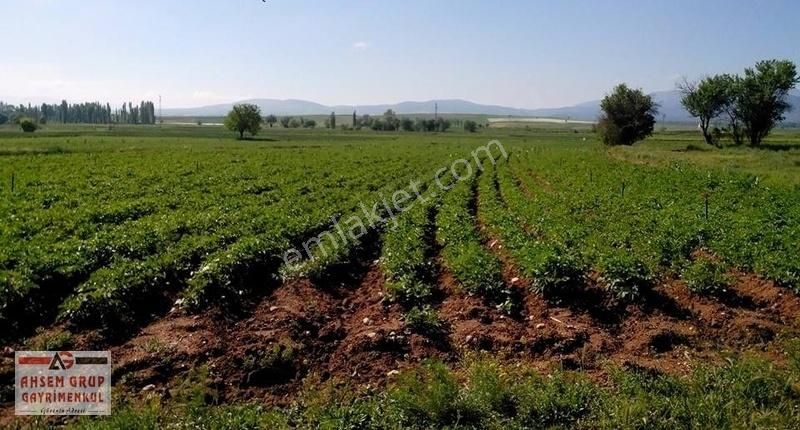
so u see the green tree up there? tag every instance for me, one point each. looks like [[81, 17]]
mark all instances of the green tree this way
[[355, 120], [390, 121], [332, 121], [760, 97], [271, 119], [628, 116], [286, 121], [442, 124], [706, 100], [470, 126], [28, 125], [406, 124], [244, 118]]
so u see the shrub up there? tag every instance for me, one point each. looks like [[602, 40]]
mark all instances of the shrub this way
[[707, 277], [470, 126], [27, 125]]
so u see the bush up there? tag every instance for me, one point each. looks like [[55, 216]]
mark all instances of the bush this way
[[470, 126], [27, 125], [707, 277]]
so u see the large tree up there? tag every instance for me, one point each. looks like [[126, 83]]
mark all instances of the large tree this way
[[761, 97], [271, 120], [244, 118], [628, 116], [706, 100]]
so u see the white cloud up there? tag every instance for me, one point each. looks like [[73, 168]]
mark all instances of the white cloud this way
[[361, 45]]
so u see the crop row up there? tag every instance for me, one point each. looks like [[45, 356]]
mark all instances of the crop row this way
[[464, 254]]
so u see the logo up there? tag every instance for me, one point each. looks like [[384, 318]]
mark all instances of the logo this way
[[62, 382]]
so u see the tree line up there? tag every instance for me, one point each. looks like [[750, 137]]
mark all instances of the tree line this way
[[749, 106], [246, 118], [79, 113]]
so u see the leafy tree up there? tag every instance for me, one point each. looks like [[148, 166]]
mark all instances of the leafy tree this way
[[732, 84], [365, 121], [286, 121], [309, 123], [3, 118], [244, 118], [27, 125], [470, 126], [761, 97], [390, 121], [332, 121], [706, 100], [271, 120], [295, 123], [628, 116], [406, 124], [355, 120], [442, 124]]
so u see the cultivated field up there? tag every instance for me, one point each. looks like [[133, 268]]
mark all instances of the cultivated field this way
[[528, 278]]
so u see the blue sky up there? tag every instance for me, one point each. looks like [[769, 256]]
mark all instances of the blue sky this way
[[516, 53]]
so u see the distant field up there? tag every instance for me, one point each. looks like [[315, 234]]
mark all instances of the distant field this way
[[565, 284]]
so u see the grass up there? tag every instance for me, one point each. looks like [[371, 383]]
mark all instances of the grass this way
[[482, 393]]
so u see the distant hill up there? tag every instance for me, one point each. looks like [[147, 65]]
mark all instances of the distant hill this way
[[669, 101], [302, 107]]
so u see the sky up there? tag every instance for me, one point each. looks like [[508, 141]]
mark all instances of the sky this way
[[528, 54]]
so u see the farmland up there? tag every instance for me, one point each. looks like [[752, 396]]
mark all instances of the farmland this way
[[544, 280]]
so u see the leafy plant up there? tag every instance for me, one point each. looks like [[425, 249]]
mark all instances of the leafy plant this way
[[707, 277], [624, 276]]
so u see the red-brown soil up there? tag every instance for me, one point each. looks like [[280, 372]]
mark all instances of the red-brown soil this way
[[345, 329]]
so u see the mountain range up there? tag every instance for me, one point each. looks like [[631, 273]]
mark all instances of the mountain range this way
[[670, 108]]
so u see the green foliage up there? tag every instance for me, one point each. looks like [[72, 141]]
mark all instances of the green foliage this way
[[556, 273], [424, 320], [628, 116], [761, 97], [470, 126], [58, 340], [477, 270], [626, 277], [706, 100], [707, 277], [244, 118], [27, 125], [745, 392]]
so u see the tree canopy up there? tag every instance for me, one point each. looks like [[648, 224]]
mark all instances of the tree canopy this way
[[706, 100], [628, 116], [244, 118], [760, 97]]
